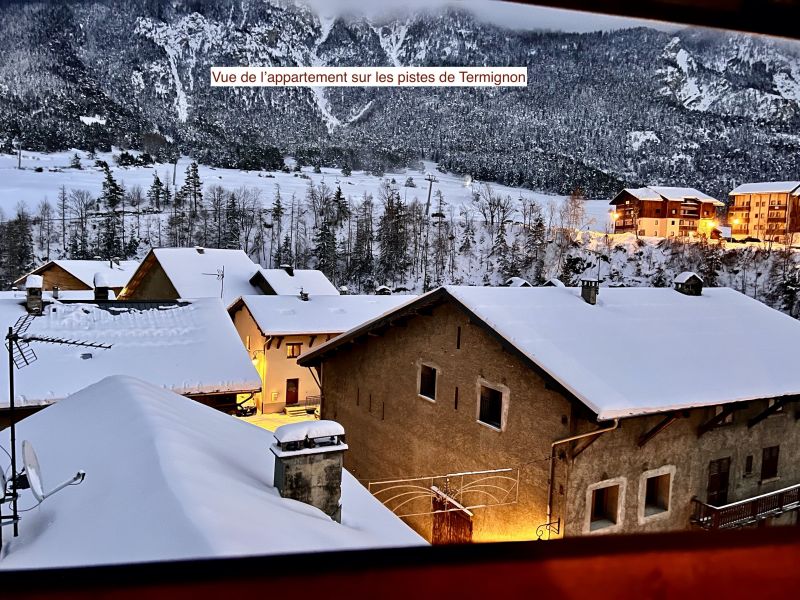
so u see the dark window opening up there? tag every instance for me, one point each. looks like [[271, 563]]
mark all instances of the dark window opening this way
[[456, 399], [605, 505], [748, 465], [427, 382], [491, 408], [656, 498], [458, 339], [769, 462]]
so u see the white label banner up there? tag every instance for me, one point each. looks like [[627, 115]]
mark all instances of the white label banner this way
[[369, 76]]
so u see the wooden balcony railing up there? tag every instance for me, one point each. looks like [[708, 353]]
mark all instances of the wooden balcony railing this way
[[746, 512]]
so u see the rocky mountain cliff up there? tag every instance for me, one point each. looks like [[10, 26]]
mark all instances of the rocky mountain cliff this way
[[699, 108]]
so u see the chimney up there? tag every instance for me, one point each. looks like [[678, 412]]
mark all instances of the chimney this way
[[308, 464], [303, 295], [289, 270], [689, 283], [100, 287], [33, 294], [200, 249], [55, 292], [589, 290]]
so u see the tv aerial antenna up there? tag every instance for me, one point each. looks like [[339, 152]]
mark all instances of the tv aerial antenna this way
[[220, 275], [20, 355]]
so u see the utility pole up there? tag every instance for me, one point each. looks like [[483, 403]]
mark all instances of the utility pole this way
[[431, 179]]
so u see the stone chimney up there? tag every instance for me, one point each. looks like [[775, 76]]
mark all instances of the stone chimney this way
[[303, 295], [308, 464], [589, 290], [689, 283], [33, 294], [101, 287], [55, 292], [289, 270]]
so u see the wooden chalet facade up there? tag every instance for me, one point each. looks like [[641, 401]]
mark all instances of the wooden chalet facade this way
[[443, 386], [665, 212], [768, 211], [78, 275]]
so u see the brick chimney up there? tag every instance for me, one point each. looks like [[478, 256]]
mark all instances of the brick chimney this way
[[33, 294], [308, 464], [101, 287], [589, 290]]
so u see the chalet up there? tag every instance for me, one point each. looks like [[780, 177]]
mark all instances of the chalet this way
[[189, 347], [665, 212], [521, 413], [277, 329], [173, 273], [78, 275], [766, 211]]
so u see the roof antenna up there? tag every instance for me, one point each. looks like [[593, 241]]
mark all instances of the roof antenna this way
[[220, 275]]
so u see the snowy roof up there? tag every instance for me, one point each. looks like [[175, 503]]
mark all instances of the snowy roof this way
[[766, 187], [685, 276], [166, 479], [190, 348], [117, 275], [611, 356], [517, 282], [656, 193], [289, 315], [308, 280], [297, 432], [196, 272]]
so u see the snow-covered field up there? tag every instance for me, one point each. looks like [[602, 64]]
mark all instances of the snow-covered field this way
[[30, 187]]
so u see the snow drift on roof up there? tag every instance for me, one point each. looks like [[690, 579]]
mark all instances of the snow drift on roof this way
[[678, 194], [308, 280], [191, 348], [166, 479], [197, 273], [289, 315], [297, 432], [643, 194], [766, 187], [612, 356]]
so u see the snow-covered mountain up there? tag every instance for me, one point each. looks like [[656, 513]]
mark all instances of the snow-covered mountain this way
[[714, 108]]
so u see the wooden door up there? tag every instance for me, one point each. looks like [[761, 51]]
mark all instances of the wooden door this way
[[292, 386], [451, 527], [718, 476]]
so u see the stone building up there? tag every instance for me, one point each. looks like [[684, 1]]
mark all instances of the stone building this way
[[665, 212], [767, 210], [619, 416]]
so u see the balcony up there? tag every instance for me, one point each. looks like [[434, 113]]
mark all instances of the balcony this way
[[746, 512]]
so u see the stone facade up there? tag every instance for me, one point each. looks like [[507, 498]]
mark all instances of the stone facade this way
[[371, 385]]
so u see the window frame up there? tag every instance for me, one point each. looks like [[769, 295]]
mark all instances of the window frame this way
[[642, 516], [775, 476], [620, 482], [437, 371], [298, 345], [505, 394]]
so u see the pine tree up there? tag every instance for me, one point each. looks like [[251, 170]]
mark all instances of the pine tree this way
[[325, 251], [393, 238], [287, 257], [75, 162], [192, 189], [112, 193], [155, 194], [231, 234]]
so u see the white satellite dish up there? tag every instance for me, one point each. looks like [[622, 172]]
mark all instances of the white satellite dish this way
[[34, 474], [32, 470]]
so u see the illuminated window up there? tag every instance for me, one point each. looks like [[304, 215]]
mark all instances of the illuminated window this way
[[293, 350]]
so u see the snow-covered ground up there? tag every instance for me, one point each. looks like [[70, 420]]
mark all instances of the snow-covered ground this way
[[30, 187], [168, 478]]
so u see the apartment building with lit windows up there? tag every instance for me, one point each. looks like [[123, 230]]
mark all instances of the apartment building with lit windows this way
[[768, 211], [659, 211]]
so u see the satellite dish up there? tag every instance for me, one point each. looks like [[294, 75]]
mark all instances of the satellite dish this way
[[34, 474], [32, 470]]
